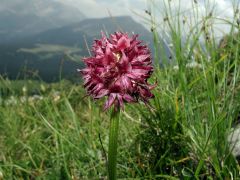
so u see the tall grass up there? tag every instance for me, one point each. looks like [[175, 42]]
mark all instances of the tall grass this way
[[205, 97], [183, 135]]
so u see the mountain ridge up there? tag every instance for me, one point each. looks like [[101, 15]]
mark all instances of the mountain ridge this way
[[44, 52]]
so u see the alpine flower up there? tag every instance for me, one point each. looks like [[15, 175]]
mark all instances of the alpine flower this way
[[119, 69]]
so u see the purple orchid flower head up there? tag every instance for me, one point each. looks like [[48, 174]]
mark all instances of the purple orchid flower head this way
[[119, 69]]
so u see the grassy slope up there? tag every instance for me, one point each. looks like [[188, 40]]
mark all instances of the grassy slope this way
[[57, 138]]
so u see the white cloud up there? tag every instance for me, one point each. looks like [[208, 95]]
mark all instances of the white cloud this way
[[94, 9], [194, 13], [103, 8]]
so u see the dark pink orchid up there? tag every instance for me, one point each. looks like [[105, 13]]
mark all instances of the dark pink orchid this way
[[118, 69]]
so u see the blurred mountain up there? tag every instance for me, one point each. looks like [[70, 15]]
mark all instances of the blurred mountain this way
[[62, 48], [83, 33], [21, 18], [91, 28]]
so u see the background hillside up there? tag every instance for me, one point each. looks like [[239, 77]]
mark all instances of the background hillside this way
[[59, 50]]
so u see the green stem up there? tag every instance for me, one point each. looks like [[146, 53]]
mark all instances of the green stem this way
[[112, 149]]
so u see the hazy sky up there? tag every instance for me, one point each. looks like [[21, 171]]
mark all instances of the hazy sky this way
[[103, 8], [100, 8]]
